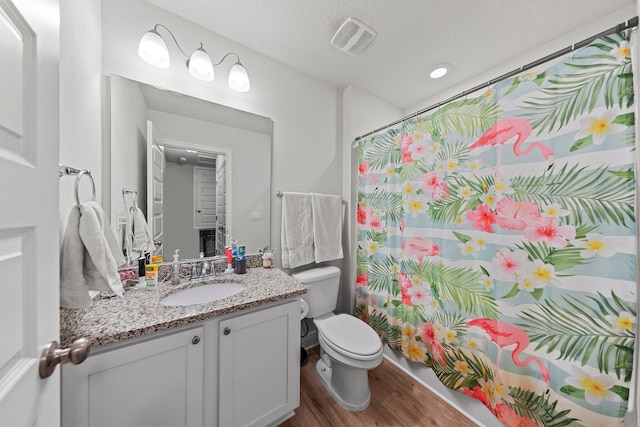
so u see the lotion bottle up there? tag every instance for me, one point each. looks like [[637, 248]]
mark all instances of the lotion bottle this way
[[175, 266]]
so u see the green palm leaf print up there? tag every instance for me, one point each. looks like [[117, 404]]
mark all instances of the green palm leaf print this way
[[570, 95], [601, 195], [579, 331]]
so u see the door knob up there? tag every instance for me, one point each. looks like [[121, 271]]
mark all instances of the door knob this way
[[199, 211], [53, 355]]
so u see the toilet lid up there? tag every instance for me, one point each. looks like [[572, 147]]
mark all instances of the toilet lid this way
[[349, 334]]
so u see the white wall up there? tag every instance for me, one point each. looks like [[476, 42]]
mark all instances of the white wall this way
[[128, 150], [80, 97]]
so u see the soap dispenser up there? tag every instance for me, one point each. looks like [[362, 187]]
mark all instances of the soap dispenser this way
[[175, 265]]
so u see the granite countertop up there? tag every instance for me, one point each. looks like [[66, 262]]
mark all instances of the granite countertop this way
[[112, 319]]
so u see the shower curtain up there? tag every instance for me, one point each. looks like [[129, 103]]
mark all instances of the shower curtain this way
[[497, 240]]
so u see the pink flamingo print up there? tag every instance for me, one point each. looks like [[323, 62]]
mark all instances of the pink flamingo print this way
[[503, 131], [504, 334]]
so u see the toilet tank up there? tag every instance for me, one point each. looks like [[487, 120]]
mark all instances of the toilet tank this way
[[323, 285]]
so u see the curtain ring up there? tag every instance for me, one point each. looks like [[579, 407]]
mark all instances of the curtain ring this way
[[77, 185]]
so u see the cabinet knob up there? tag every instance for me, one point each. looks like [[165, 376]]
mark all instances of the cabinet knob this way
[[227, 330], [195, 340], [53, 355]]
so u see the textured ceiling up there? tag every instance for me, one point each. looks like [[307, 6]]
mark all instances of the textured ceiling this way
[[412, 36]]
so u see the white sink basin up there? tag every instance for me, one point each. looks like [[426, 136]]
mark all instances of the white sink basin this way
[[203, 294]]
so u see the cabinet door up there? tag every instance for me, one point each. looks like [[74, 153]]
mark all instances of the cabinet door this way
[[153, 383], [259, 367]]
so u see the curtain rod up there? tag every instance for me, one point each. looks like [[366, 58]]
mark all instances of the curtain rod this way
[[631, 23]]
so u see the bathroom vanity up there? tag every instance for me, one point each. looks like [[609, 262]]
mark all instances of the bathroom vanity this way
[[229, 362]]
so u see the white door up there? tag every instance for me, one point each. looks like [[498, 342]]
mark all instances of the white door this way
[[155, 176], [221, 204], [29, 240], [205, 197]]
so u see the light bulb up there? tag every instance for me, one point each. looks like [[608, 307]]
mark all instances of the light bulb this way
[[200, 65], [153, 50], [238, 78], [439, 71]]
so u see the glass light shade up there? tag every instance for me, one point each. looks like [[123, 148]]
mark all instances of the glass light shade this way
[[238, 78], [153, 50], [200, 65]]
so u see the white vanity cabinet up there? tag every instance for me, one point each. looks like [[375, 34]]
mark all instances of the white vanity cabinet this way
[[241, 369], [156, 382], [259, 366]]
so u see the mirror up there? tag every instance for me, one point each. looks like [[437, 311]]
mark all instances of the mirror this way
[[213, 169]]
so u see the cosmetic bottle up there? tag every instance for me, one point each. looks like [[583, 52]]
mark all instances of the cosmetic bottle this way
[[175, 268], [142, 264], [151, 276]]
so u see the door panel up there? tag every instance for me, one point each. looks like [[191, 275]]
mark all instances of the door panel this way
[[205, 200], [155, 187], [29, 129]]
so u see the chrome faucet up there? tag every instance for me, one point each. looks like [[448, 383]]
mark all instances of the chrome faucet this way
[[208, 268], [194, 272]]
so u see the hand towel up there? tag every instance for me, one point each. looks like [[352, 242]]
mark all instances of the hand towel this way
[[73, 287], [89, 257], [142, 237], [297, 230], [327, 226], [104, 256]]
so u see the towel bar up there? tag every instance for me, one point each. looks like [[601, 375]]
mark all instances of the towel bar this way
[[68, 170]]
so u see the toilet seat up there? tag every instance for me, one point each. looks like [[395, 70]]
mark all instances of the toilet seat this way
[[350, 337]]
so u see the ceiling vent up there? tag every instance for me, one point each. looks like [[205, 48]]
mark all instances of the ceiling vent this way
[[353, 36], [206, 160]]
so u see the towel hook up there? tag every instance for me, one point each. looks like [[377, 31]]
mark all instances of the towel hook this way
[[77, 184]]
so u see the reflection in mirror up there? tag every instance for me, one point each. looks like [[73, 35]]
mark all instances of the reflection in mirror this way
[[211, 179]]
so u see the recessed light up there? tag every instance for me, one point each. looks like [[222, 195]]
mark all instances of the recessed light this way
[[191, 151], [439, 71]]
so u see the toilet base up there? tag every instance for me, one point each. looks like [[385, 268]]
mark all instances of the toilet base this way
[[352, 383]]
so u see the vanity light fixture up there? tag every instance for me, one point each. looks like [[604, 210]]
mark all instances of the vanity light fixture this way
[[439, 70], [153, 50]]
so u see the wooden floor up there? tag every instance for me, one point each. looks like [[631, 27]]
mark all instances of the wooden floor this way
[[396, 400]]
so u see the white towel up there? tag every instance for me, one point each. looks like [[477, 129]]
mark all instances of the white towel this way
[[327, 226], [89, 257], [142, 239], [297, 230]]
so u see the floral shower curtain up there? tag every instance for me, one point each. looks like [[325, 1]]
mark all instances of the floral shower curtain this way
[[497, 240]]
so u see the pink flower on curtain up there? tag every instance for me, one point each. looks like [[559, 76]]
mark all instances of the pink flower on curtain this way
[[363, 170], [482, 218], [514, 215], [433, 183], [420, 247], [476, 393], [406, 297], [404, 281], [374, 222], [405, 144], [427, 332], [362, 215], [405, 284], [510, 418], [362, 280], [510, 265], [549, 231]]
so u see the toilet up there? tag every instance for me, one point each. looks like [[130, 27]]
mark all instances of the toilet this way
[[348, 346]]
